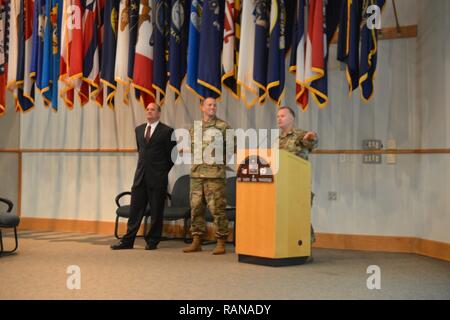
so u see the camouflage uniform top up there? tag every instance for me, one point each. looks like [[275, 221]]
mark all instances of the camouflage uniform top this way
[[293, 142], [205, 170]]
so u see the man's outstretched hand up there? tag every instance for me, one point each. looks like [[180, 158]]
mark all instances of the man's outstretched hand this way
[[310, 136]]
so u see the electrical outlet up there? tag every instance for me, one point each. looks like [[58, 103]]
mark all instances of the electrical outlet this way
[[332, 195], [342, 158], [372, 144], [372, 158]]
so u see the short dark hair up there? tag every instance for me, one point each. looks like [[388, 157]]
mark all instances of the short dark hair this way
[[202, 101], [289, 109], [157, 105]]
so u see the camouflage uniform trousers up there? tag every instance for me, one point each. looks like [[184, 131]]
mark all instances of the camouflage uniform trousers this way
[[208, 192]]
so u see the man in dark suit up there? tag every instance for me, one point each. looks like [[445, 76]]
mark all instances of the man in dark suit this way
[[154, 143]]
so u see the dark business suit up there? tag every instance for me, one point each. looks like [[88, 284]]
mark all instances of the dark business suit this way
[[150, 182]]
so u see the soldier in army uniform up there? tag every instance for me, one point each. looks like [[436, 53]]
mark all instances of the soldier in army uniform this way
[[208, 177], [296, 141]]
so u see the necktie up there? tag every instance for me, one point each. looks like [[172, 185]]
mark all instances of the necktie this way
[[148, 133]]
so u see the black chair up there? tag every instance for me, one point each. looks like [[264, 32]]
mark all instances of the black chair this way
[[178, 206], [230, 192], [123, 211], [231, 204], [8, 220]]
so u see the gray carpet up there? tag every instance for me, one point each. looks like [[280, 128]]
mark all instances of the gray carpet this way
[[38, 271]]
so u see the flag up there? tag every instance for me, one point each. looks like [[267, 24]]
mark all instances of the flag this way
[[210, 48], [109, 50], [249, 90], [4, 23], [315, 52], [55, 16], [353, 44], [291, 7], [38, 43], [24, 103], [13, 49], [96, 87], [122, 51], [133, 19], [230, 54], [178, 44], [66, 91], [331, 22], [342, 50], [277, 51], [348, 40], [260, 62], [47, 63], [133, 26], [193, 49], [90, 51], [143, 57], [297, 59], [71, 58], [331, 17], [76, 45], [161, 46], [16, 58], [368, 61], [28, 83]]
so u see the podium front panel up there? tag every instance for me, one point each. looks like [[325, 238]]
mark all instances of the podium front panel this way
[[293, 207], [273, 218], [255, 219]]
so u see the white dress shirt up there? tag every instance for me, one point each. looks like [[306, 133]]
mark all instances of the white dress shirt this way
[[152, 128]]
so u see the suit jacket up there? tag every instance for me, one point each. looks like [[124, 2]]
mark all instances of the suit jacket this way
[[155, 159]]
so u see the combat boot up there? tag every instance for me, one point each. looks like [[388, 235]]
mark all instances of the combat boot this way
[[195, 246], [220, 247]]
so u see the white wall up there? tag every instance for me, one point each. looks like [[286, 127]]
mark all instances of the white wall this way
[[9, 139], [372, 199], [433, 63], [72, 186]]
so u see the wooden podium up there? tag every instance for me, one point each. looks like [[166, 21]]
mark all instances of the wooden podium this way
[[273, 208]]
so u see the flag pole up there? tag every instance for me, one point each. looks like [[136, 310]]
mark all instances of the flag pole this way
[[396, 17]]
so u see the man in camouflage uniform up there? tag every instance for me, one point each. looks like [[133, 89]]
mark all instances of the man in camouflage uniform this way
[[296, 141], [208, 176]]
